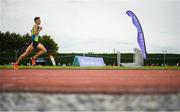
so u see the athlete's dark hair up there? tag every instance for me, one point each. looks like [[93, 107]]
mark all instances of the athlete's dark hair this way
[[36, 18]]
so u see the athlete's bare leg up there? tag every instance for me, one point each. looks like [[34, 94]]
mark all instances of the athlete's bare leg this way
[[42, 50], [25, 54]]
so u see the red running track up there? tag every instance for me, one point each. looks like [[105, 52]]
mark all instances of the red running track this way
[[90, 81]]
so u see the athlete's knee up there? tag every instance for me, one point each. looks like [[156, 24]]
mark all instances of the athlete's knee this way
[[44, 50]]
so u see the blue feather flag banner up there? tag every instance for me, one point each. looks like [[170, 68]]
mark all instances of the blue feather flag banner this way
[[140, 34]]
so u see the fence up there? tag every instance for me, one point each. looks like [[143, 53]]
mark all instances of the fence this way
[[7, 56]]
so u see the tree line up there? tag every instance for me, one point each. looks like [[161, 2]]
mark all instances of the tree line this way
[[15, 41], [12, 45]]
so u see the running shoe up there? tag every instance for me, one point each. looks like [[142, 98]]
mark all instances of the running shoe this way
[[15, 66], [33, 61]]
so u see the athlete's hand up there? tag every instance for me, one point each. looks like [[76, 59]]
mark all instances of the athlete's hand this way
[[40, 28]]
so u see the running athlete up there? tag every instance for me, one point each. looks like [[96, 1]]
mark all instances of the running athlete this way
[[34, 44]]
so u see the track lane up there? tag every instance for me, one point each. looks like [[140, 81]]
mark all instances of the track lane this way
[[91, 81]]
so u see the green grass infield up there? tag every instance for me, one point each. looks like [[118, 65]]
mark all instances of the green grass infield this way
[[93, 68]]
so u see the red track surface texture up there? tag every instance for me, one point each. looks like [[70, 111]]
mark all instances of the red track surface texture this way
[[91, 81]]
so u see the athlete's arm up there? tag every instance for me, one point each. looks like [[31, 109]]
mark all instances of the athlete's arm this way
[[37, 29]]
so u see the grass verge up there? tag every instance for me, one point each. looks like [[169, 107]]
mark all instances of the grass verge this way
[[95, 68]]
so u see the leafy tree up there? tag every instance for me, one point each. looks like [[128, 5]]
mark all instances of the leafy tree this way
[[14, 41], [49, 43]]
